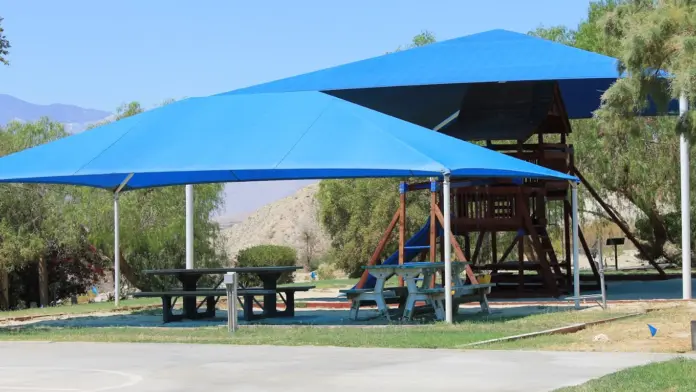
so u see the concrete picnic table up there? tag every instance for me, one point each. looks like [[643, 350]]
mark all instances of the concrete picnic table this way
[[426, 291], [189, 279]]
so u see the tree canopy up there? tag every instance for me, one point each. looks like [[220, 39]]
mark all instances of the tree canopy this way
[[4, 45], [649, 37], [631, 160], [356, 212], [34, 218]]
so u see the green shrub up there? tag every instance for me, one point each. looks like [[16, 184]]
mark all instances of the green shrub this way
[[266, 256], [326, 271]]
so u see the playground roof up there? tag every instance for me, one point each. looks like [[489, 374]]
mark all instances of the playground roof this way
[[426, 85], [258, 137]]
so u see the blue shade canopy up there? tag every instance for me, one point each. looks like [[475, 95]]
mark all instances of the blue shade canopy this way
[[258, 137], [428, 84]]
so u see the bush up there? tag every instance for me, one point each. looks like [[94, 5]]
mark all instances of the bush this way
[[326, 271], [70, 272], [266, 256]]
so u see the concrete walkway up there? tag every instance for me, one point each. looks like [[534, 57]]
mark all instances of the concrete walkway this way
[[46, 367]]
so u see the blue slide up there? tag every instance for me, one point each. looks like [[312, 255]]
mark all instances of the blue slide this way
[[413, 247]]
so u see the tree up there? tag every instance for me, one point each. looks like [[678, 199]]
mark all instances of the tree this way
[[424, 38], [153, 225], [37, 228], [356, 212], [560, 34], [651, 37], [4, 45], [31, 215], [310, 241], [38, 220], [631, 159]]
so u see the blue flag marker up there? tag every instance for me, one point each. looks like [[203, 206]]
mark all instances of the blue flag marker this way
[[653, 330]]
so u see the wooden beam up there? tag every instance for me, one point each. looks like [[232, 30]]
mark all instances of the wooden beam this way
[[477, 249], [562, 112], [494, 246], [380, 247], [509, 249], [588, 253], [467, 243], [457, 250], [546, 271], [520, 258], [521, 147], [619, 223], [566, 233]]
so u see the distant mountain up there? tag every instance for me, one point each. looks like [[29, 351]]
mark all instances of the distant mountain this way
[[75, 118]]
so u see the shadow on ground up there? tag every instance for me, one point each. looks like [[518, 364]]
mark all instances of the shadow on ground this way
[[630, 291], [328, 318]]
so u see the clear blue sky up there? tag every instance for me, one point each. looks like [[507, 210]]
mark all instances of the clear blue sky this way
[[99, 54]]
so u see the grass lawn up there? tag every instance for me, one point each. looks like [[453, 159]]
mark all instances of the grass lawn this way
[[631, 334], [673, 376], [439, 335], [79, 309]]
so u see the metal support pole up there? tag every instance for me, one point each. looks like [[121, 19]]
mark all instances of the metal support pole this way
[[117, 253], [448, 248], [576, 251], [189, 226], [231, 286], [685, 204], [117, 242], [603, 289]]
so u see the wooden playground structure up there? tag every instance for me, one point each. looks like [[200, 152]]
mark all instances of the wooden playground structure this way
[[526, 120]]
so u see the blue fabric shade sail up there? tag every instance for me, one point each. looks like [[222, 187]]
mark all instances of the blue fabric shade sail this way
[[428, 84], [257, 137]]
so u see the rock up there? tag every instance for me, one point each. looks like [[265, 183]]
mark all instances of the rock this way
[[103, 297], [602, 338]]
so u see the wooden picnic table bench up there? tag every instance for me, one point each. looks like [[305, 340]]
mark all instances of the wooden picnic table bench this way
[[189, 279]]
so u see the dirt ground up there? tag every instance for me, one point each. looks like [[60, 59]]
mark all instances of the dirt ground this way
[[672, 320]]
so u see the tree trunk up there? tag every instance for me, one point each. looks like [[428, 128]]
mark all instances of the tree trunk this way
[[127, 271], [43, 282], [133, 277], [4, 290]]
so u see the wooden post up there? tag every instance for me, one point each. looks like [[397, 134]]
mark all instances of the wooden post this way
[[4, 290], [402, 226], [520, 271], [43, 282], [566, 234], [619, 223], [494, 247], [477, 249], [457, 250], [380, 248], [433, 226], [508, 250], [467, 246]]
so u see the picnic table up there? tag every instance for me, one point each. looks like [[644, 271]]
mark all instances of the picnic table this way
[[190, 279], [419, 278]]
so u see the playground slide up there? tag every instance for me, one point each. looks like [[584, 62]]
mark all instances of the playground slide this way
[[418, 239]]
